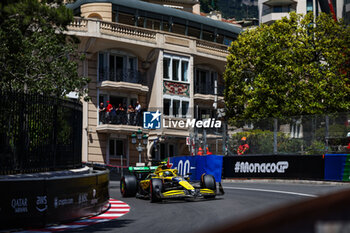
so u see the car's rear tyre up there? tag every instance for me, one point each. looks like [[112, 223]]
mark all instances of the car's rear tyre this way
[[208, 181], [156, 187], [128, 186]]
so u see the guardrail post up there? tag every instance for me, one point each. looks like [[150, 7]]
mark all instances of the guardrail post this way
[[275, 125]]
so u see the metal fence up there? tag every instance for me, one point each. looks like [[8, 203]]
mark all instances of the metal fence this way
[[39, 133], [316, 134]]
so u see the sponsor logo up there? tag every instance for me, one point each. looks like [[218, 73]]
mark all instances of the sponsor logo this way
[[152, 120], [94, 199], [41, 203], [20, 205], [184, 167], [245, 167], [62, 202], [83, 197]]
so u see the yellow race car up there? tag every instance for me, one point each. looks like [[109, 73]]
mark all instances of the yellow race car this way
[[160, 182]]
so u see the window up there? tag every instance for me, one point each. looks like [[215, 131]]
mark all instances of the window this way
[[177, 107], [126, 19], [205, 81], [116, 148], [175, 68], [209, 36], [184, 108], [101, 67], [176, 65], [117, 66], [166, 68], [140, 22], [184, 69], [179, 29], [194, 32], [166, 106], [166, 26]]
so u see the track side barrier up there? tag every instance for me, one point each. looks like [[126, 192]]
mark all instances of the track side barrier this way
[[337, 167], [272, 166], [38, 201], [198, 165]]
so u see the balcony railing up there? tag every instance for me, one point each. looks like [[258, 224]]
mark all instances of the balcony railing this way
[[212, 46], [208, 90], [121, 117], [121, 75], [110, 27], [97, 28]]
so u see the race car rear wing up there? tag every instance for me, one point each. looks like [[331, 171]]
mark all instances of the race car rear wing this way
[[142, 172], [142, 169]]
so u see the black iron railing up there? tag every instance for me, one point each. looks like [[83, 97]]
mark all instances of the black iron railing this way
[[208, 90], [39, 133], [121, 118], [121, 75]]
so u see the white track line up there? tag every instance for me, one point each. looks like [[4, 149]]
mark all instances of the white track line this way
[[272, 191]]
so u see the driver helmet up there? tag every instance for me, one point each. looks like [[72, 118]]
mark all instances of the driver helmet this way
[[167, 173]]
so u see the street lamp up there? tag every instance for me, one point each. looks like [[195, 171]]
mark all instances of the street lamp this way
[[140, 138]]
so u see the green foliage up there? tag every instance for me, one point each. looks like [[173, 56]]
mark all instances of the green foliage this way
[[316, 148], [35, 54], [293, 67], [261, 142], [334, 131]]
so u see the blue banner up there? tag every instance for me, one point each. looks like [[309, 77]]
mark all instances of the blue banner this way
[[198, 165], [337, 167]]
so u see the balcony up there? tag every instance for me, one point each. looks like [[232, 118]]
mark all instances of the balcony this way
[[119, 122], [271, 14], [143, 36], [207, 93], [122, 79]]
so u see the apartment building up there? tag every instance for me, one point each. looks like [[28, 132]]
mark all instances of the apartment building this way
[[272, 10], [160, 54]]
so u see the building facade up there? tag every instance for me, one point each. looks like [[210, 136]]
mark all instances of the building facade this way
[[160, 55], [272, 10]]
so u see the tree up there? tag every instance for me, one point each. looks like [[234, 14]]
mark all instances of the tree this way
[[35, 54], [293, 67]]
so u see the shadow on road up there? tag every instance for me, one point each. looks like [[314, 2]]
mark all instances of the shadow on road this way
[[102, 227]]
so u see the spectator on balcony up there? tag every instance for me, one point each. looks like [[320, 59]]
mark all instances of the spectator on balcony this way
[[108, 111], [138, 113], [120, 113], [131, 115], [102, 113], [113, 114]]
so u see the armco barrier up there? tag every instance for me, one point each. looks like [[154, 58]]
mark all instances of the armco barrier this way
[[272, 166], [337, 167], [39, 201], [198, 165]]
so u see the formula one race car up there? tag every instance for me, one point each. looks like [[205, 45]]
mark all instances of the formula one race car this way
[[160, 182]]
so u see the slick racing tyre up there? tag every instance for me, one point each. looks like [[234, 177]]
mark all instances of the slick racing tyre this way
[[156, 187], [128, 186], [208, 181]]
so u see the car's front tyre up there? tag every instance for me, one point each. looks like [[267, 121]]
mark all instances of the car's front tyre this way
[[128, 186], [208, 182], [156, 187]]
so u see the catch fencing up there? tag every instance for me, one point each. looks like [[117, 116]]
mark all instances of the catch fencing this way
[[39, 133], [300, 135]]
